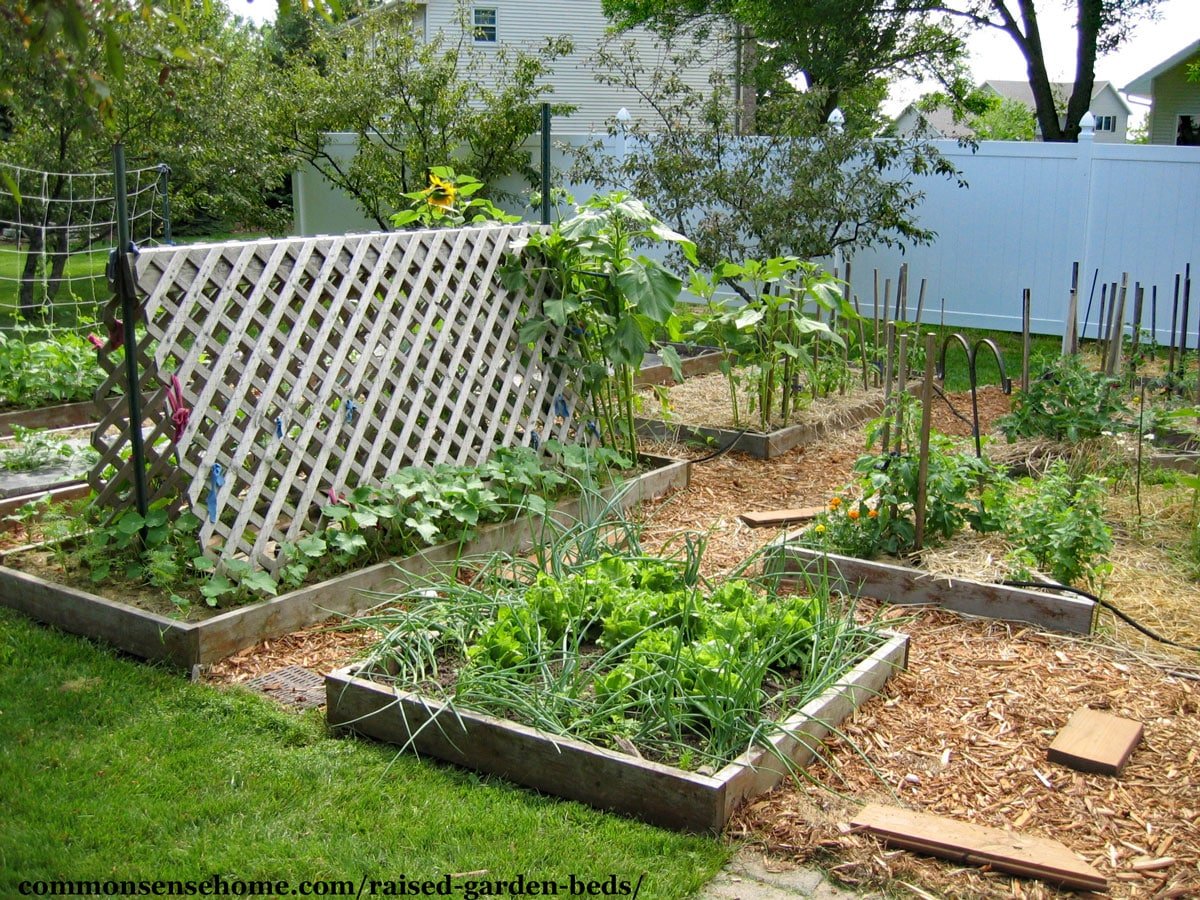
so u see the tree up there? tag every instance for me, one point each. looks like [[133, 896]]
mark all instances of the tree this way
[[806, 190], [413, 105], [1100, 27], [1003, 119], [837, 46]]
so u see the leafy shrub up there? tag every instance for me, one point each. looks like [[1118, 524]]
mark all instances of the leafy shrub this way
[[1059, 527], [1069, 402]]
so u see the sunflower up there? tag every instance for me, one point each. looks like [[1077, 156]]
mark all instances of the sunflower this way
[[441, 193]]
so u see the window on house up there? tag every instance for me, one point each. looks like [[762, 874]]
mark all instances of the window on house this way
[[484, 20], [1187, 132], [1106, 123]]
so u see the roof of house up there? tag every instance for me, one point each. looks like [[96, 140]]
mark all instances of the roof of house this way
[[1142, 84], [941, 120], [1023, 92]]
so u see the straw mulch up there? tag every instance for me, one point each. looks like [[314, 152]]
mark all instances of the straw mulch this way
[[704, 400]]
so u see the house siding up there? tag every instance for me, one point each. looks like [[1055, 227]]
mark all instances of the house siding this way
[[523, 24], [1108, 103], [1174, 96]]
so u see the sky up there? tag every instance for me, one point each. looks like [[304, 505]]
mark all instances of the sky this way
[[994, 55]]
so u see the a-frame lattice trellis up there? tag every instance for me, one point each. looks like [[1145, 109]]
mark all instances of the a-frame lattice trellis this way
[[312, 365]]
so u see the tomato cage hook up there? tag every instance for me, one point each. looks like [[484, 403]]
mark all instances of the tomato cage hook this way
[[972, 353]]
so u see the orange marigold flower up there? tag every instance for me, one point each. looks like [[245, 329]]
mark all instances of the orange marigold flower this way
[[873, 514], [835, 502], [853, 515]]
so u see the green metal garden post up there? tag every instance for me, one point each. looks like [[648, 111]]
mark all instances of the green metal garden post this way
[[545, 163], [126, 292]]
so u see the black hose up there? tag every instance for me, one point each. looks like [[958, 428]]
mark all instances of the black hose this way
[[957, 414], [723, 450], [1124, 617]]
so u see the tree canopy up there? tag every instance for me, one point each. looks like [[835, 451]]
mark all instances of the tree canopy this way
[[837, 46], [1101, 26]]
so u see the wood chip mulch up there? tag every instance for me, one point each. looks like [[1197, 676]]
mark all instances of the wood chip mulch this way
[[963, 733]]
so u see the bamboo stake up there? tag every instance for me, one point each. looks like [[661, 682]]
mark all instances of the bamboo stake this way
[[926, 420], [1026, 311]]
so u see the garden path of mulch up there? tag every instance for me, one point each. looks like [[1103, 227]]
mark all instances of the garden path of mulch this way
[[963, 733]]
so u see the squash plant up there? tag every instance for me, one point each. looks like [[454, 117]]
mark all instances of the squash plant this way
[[765, 328], [611, 300]]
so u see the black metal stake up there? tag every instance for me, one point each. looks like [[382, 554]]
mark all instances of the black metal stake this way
[[545, 163]]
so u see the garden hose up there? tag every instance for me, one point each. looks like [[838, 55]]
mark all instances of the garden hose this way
[[1124, 617], [723, 450]]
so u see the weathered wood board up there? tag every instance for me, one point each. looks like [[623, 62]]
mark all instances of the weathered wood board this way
[[187, 644], [1025, 855], [754, 443], [777, 517], [64, 415], [1095, 741], [708, 360], [904, 586], [656, 793]]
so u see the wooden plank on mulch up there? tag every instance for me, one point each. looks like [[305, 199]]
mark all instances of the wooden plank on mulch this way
[[1095, 741], [1020, 854], [780, 516]]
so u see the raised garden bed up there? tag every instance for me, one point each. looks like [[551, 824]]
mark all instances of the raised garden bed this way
[[187, 644], [902, 585], [692, 361], [758, 444], [64, 415], [656, 793]]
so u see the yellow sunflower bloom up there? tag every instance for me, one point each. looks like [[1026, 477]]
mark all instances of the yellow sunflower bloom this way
[[441, 193]]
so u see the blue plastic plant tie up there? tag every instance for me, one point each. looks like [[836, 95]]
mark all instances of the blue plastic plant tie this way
[[560, 406], [279, 426], [593, 427], [351, 409], [216, 481]]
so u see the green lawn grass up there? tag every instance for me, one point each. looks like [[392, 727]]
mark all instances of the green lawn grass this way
[[116, 769], [1009, 342]]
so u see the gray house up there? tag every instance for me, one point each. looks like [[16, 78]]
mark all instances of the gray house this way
[[1174, 100], [1110, 109]]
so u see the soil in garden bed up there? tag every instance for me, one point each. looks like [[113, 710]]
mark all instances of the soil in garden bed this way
[[704, 400]]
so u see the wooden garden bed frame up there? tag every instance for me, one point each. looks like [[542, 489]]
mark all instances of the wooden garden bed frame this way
[[756, 443], [566, 767], [706, 361], [189, 644], [65, 415], [901, 585]]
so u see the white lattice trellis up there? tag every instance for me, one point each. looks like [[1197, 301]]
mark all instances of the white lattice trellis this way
[[313, 365]]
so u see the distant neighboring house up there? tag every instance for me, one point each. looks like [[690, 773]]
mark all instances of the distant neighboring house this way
[[1110, 109], [1174, 101], [526, 24], [934, 123]]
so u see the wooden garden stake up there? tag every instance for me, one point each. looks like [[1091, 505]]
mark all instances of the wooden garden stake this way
[[1174, 322], [926, 419], [901, 387], [1071, 335], [1183, 323], [1154, 321], [876, 319], [1115, 344], [1026, 304], [862, 343], [846, 345], [1100, 321], [902, 294], [890, 330], [1138, 297], [887, 299], [921, 301]]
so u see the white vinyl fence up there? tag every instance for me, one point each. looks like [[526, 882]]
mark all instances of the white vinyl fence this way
[[1029, 211]]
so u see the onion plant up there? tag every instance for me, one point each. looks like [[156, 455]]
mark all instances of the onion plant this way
[[591, 637]]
